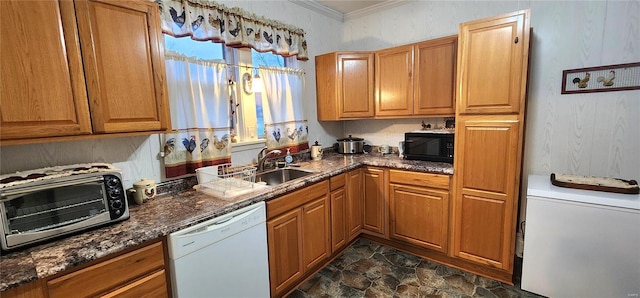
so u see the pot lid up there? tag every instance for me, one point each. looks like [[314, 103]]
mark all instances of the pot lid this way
[[316, 144], [144, 183], [350, 139]]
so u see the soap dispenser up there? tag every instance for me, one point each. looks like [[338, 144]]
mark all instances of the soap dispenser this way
[[288, 159]]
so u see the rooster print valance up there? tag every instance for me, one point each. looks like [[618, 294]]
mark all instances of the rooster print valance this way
[[210, 21], [185, 150]]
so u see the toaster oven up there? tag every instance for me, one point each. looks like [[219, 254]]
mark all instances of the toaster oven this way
[[40, 205]]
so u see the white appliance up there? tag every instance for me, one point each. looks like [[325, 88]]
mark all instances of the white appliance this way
[[222, 257], [580, 243]]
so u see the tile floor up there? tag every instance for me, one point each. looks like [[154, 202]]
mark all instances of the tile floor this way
[[368, 269]]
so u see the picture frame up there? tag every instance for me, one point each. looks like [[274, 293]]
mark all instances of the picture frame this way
[[617, 77]]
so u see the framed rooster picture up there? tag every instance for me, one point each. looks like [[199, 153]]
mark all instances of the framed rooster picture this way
[[616, 77]]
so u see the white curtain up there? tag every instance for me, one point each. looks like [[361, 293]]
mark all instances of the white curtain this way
[[284, 121], [199, 99]]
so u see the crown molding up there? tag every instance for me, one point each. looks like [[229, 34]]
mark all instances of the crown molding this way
[[375, 8], [321, 9], [336, 15]]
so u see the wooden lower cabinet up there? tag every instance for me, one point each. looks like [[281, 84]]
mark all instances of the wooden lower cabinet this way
[[346, 208], [486, 190], [374, 201], [153, 285], [419, 209], [419, 215], [354, 202], [138, 273], [285, 250], [298, 235], [316, 233], [338, 203]]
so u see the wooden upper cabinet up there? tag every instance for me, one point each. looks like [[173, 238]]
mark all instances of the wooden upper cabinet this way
[[79, 68], [123, 65], [435, 77], [42, 84], [344, 85], [492, 64], [394, 81]]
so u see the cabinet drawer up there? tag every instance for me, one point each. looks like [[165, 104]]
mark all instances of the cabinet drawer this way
[[109, 274], [337, 181], [419, 179], [296, 199], [153, 285]]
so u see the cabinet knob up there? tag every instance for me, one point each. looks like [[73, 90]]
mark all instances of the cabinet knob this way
[[516, 41]]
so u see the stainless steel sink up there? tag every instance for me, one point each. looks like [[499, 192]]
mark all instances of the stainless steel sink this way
[[278, 176]]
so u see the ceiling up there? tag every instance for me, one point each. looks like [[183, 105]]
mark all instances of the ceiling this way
[[346, 9]]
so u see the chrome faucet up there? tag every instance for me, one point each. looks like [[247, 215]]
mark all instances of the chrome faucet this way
[[262, 159]]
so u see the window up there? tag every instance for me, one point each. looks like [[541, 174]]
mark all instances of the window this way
[[191, 48], [248, 129], [270, 60]]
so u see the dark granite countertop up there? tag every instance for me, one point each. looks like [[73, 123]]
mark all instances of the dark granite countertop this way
[[171, 212]]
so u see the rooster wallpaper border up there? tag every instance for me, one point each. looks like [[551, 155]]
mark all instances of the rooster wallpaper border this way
[[617, 77]]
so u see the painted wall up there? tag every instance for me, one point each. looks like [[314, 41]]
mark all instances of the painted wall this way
[[138, 156]]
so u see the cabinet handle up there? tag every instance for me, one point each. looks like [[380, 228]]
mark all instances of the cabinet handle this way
[[516, 41]]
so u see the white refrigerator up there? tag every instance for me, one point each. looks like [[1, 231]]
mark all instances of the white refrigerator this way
[[580, 243]]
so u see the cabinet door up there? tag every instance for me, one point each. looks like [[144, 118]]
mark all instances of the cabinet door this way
[[285, 250], [374, 209], [492, 64], [123, 64], [487, 171], [338, 219], [419, 216], [354, 203], [355, 85], [394, 81], [42, 84], [435, 77], [315, 232], [344, 85]]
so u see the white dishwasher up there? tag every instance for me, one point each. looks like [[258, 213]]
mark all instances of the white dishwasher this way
[[222, 257]]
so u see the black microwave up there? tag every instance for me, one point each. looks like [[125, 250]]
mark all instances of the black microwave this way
[[429, 146]]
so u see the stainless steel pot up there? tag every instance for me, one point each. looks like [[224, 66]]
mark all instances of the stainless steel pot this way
[[350, 145]]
